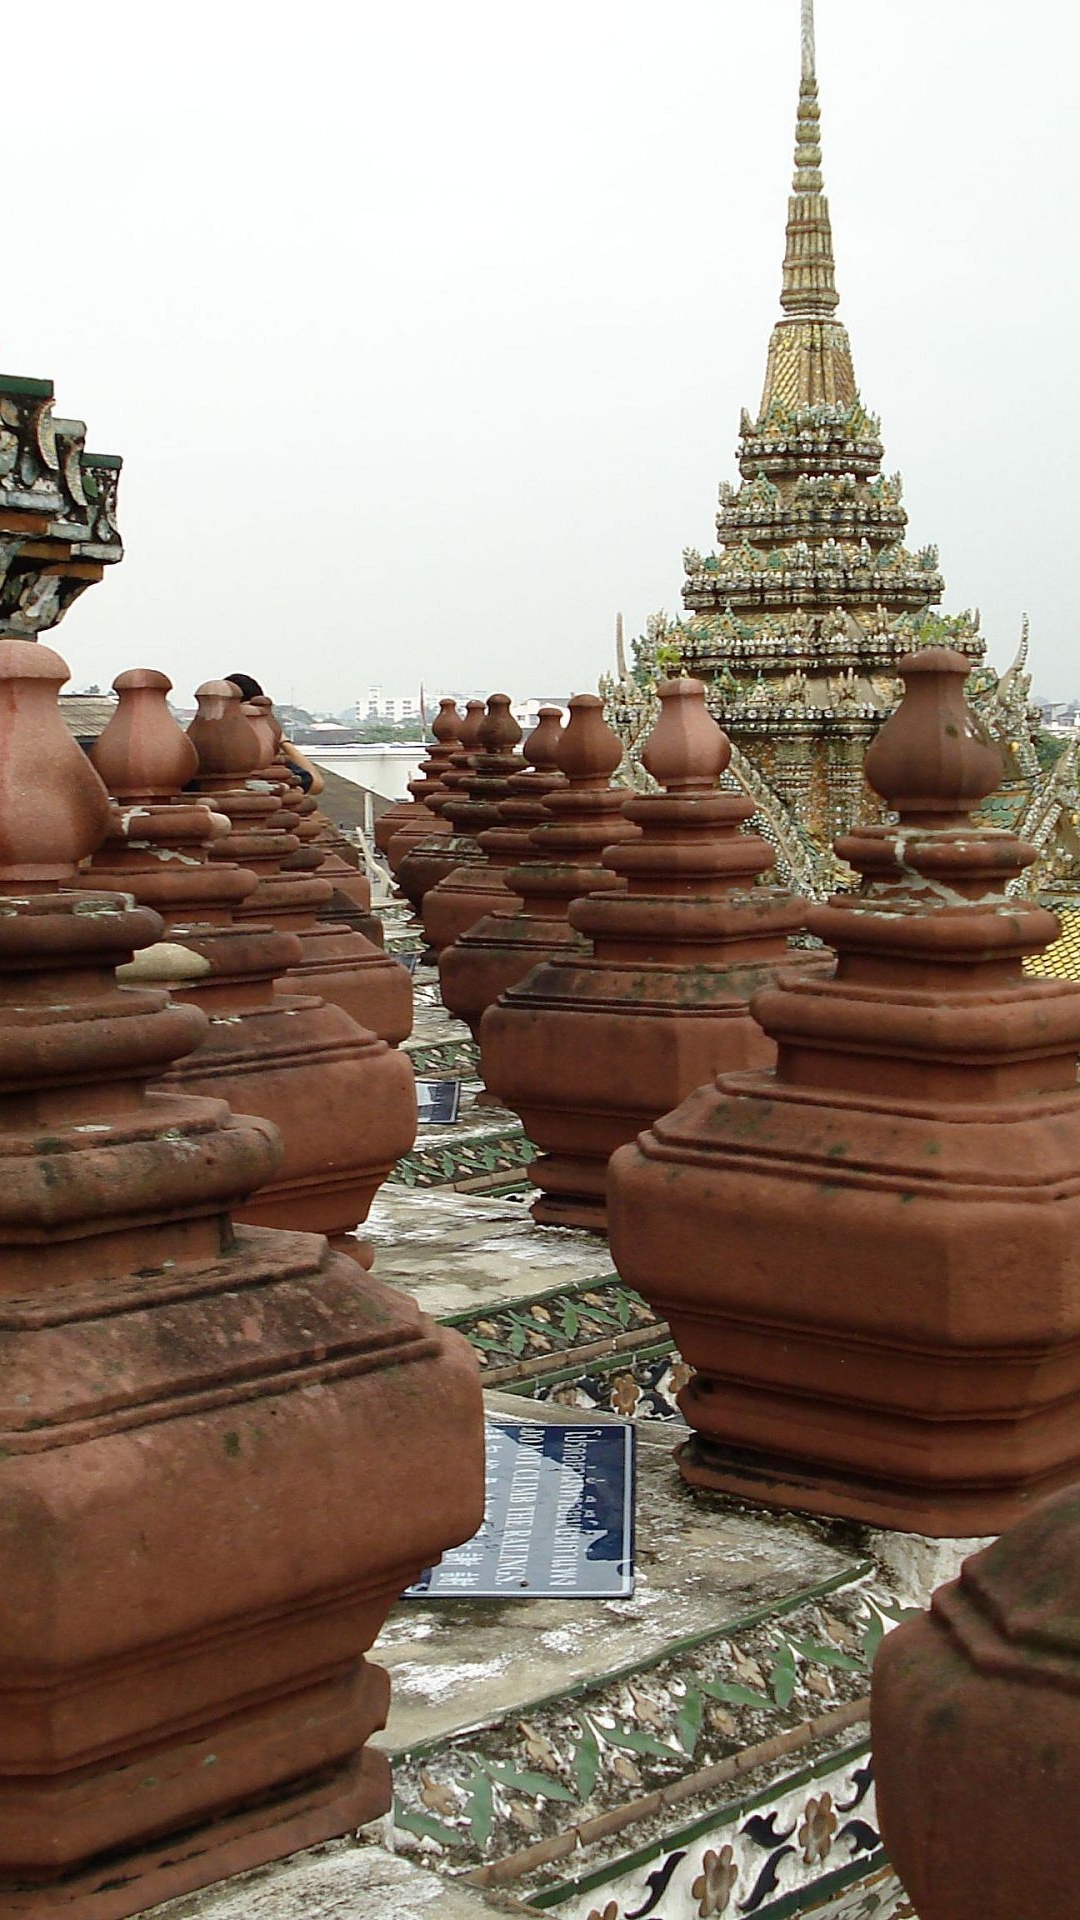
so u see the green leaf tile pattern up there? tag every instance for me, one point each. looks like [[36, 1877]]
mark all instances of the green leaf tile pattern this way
[[600, 1745], [471, 1157], [546, 1333]]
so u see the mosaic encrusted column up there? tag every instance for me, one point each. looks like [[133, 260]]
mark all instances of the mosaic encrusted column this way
[[221, 1458], [891, 1331]]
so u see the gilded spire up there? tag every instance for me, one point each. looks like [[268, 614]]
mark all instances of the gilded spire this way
[[809, 273], [810, 355]]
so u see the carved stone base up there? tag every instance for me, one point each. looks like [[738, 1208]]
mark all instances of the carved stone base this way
[[319, 1810]]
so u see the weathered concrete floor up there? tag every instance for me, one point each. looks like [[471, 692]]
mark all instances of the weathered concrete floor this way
[[454, 1251], [452, 1663], [341, 1881]]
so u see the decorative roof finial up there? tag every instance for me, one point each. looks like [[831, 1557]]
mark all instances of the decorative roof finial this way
[[809, 65], [620, 648], [809, 274]]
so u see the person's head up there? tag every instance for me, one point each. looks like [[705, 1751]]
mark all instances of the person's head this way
[[249, 689]]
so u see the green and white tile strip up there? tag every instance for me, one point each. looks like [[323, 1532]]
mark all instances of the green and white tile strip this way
[[741, 1751], [554, 1333]]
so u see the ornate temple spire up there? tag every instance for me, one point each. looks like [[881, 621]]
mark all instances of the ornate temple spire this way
[[810, 361], [798, 621]]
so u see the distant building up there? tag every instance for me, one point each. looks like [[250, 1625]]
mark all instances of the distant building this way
[[380, 706], [400, 710]]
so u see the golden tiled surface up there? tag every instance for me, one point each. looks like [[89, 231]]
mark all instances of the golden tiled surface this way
[[1062, 960]]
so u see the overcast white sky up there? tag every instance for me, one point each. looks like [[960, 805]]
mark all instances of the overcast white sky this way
[[424, 329]]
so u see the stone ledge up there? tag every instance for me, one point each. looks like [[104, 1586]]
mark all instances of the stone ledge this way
[[344, 1880]]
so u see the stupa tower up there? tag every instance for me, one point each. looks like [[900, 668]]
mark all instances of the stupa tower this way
[[797, 621]]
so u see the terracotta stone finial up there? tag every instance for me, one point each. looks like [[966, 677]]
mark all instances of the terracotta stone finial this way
[[429, 859], [469, 737], [589, 751], [465, 985], [931, 762], [221, 1458], [446, 725], [339, 964], [143, 752], [414, 818], [686, 749], [343, 1103], [460, 896], [259, 713], [53, 808], [499, 730], [541, 749], [976, 1709], [223, 736], [581, 816]]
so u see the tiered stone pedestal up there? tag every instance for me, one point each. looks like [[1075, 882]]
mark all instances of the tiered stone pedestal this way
[[220, 1457], [504, 846], [452, 904], [593, 1045], [297, 1061], [872, 1255], [350, 902], [337, 964], [565, 861], [404, 815], [976, 1715], [417, 859]]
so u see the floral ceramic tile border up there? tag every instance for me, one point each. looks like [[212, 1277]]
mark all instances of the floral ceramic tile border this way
[[769, 1863]]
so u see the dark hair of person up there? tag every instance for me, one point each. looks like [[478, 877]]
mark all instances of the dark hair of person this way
[[249, 688]]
